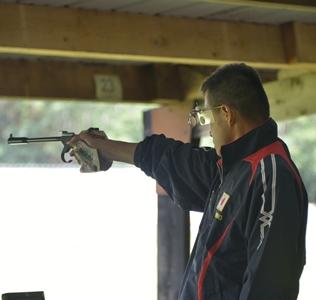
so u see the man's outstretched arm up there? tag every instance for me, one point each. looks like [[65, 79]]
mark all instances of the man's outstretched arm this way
[[111, 149], [185, 172]]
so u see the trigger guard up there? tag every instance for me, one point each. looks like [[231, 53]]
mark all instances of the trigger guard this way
[[63, 156]]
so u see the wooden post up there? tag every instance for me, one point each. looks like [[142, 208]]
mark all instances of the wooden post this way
[[173, 222]]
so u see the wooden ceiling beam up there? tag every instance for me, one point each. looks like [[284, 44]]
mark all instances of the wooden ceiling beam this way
[[76, 81], [291, 94], [299, 42], [291, 5], [84, 34], [52, 79]]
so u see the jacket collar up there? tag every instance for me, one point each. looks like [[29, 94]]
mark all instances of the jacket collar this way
[[248, 144]]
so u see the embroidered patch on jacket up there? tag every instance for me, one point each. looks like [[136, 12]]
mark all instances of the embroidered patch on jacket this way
[[221, 205], [222, 202]]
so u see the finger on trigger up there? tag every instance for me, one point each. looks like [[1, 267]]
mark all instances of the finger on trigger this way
[[84, 136], [73, 140]]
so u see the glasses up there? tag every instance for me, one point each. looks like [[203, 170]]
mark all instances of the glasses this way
[[201, 116]]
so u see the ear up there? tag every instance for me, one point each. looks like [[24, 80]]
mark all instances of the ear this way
[[229, 115]]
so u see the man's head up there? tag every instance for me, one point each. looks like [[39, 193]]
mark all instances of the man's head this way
[[237, 100]]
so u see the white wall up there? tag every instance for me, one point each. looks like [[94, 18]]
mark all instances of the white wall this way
[[78, 236]]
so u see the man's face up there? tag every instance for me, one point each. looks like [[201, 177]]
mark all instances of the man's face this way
[[220, 128]]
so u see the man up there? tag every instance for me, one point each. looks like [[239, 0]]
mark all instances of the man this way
[[251, 241]]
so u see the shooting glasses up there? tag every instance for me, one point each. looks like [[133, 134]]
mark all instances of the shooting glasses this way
[[201, 117]]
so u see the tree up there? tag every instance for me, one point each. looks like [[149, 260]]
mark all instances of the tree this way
[[300, 136]]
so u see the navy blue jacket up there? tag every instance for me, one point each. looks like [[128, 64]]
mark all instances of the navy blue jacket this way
[[251, 240]]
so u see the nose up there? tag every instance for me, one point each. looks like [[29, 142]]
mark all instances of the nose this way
[[211, 134]]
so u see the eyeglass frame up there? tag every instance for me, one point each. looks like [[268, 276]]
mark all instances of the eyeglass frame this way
[[200, 116]]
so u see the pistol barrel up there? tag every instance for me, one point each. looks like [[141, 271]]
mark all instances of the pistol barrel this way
[[25, 140]]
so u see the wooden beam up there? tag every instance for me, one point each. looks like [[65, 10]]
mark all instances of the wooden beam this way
[[305, 41], [292, 97], [173, 222], [161, 83], [291, 5], [299, 42], [85, 34], [73, 80]]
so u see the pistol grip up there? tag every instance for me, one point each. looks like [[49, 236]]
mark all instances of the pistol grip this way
[[66, 149]]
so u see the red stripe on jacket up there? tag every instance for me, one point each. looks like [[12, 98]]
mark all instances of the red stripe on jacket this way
[[274, 148], [208, 259]]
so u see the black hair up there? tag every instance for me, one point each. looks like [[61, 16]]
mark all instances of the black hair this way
[[238, 85]]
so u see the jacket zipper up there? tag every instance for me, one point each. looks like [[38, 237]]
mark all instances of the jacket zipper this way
[[221, 175]]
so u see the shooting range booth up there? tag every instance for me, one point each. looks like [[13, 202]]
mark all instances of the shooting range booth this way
[[131, 51]]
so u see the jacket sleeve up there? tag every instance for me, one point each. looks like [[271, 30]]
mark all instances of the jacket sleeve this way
[[185, 172], [275, 234]]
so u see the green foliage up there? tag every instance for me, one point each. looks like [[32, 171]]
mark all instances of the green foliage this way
[[49, 118], [300, 136]]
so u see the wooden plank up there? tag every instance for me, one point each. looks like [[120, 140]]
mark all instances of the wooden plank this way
[[308, 4], [306, 41], [290, 96], [83, 34], [73, 80], [173, 222], [290, 43], [291, 5], [299, 42]]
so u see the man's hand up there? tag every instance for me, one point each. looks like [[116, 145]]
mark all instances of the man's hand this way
[[87, 149], [109, 150], [92, 138]]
